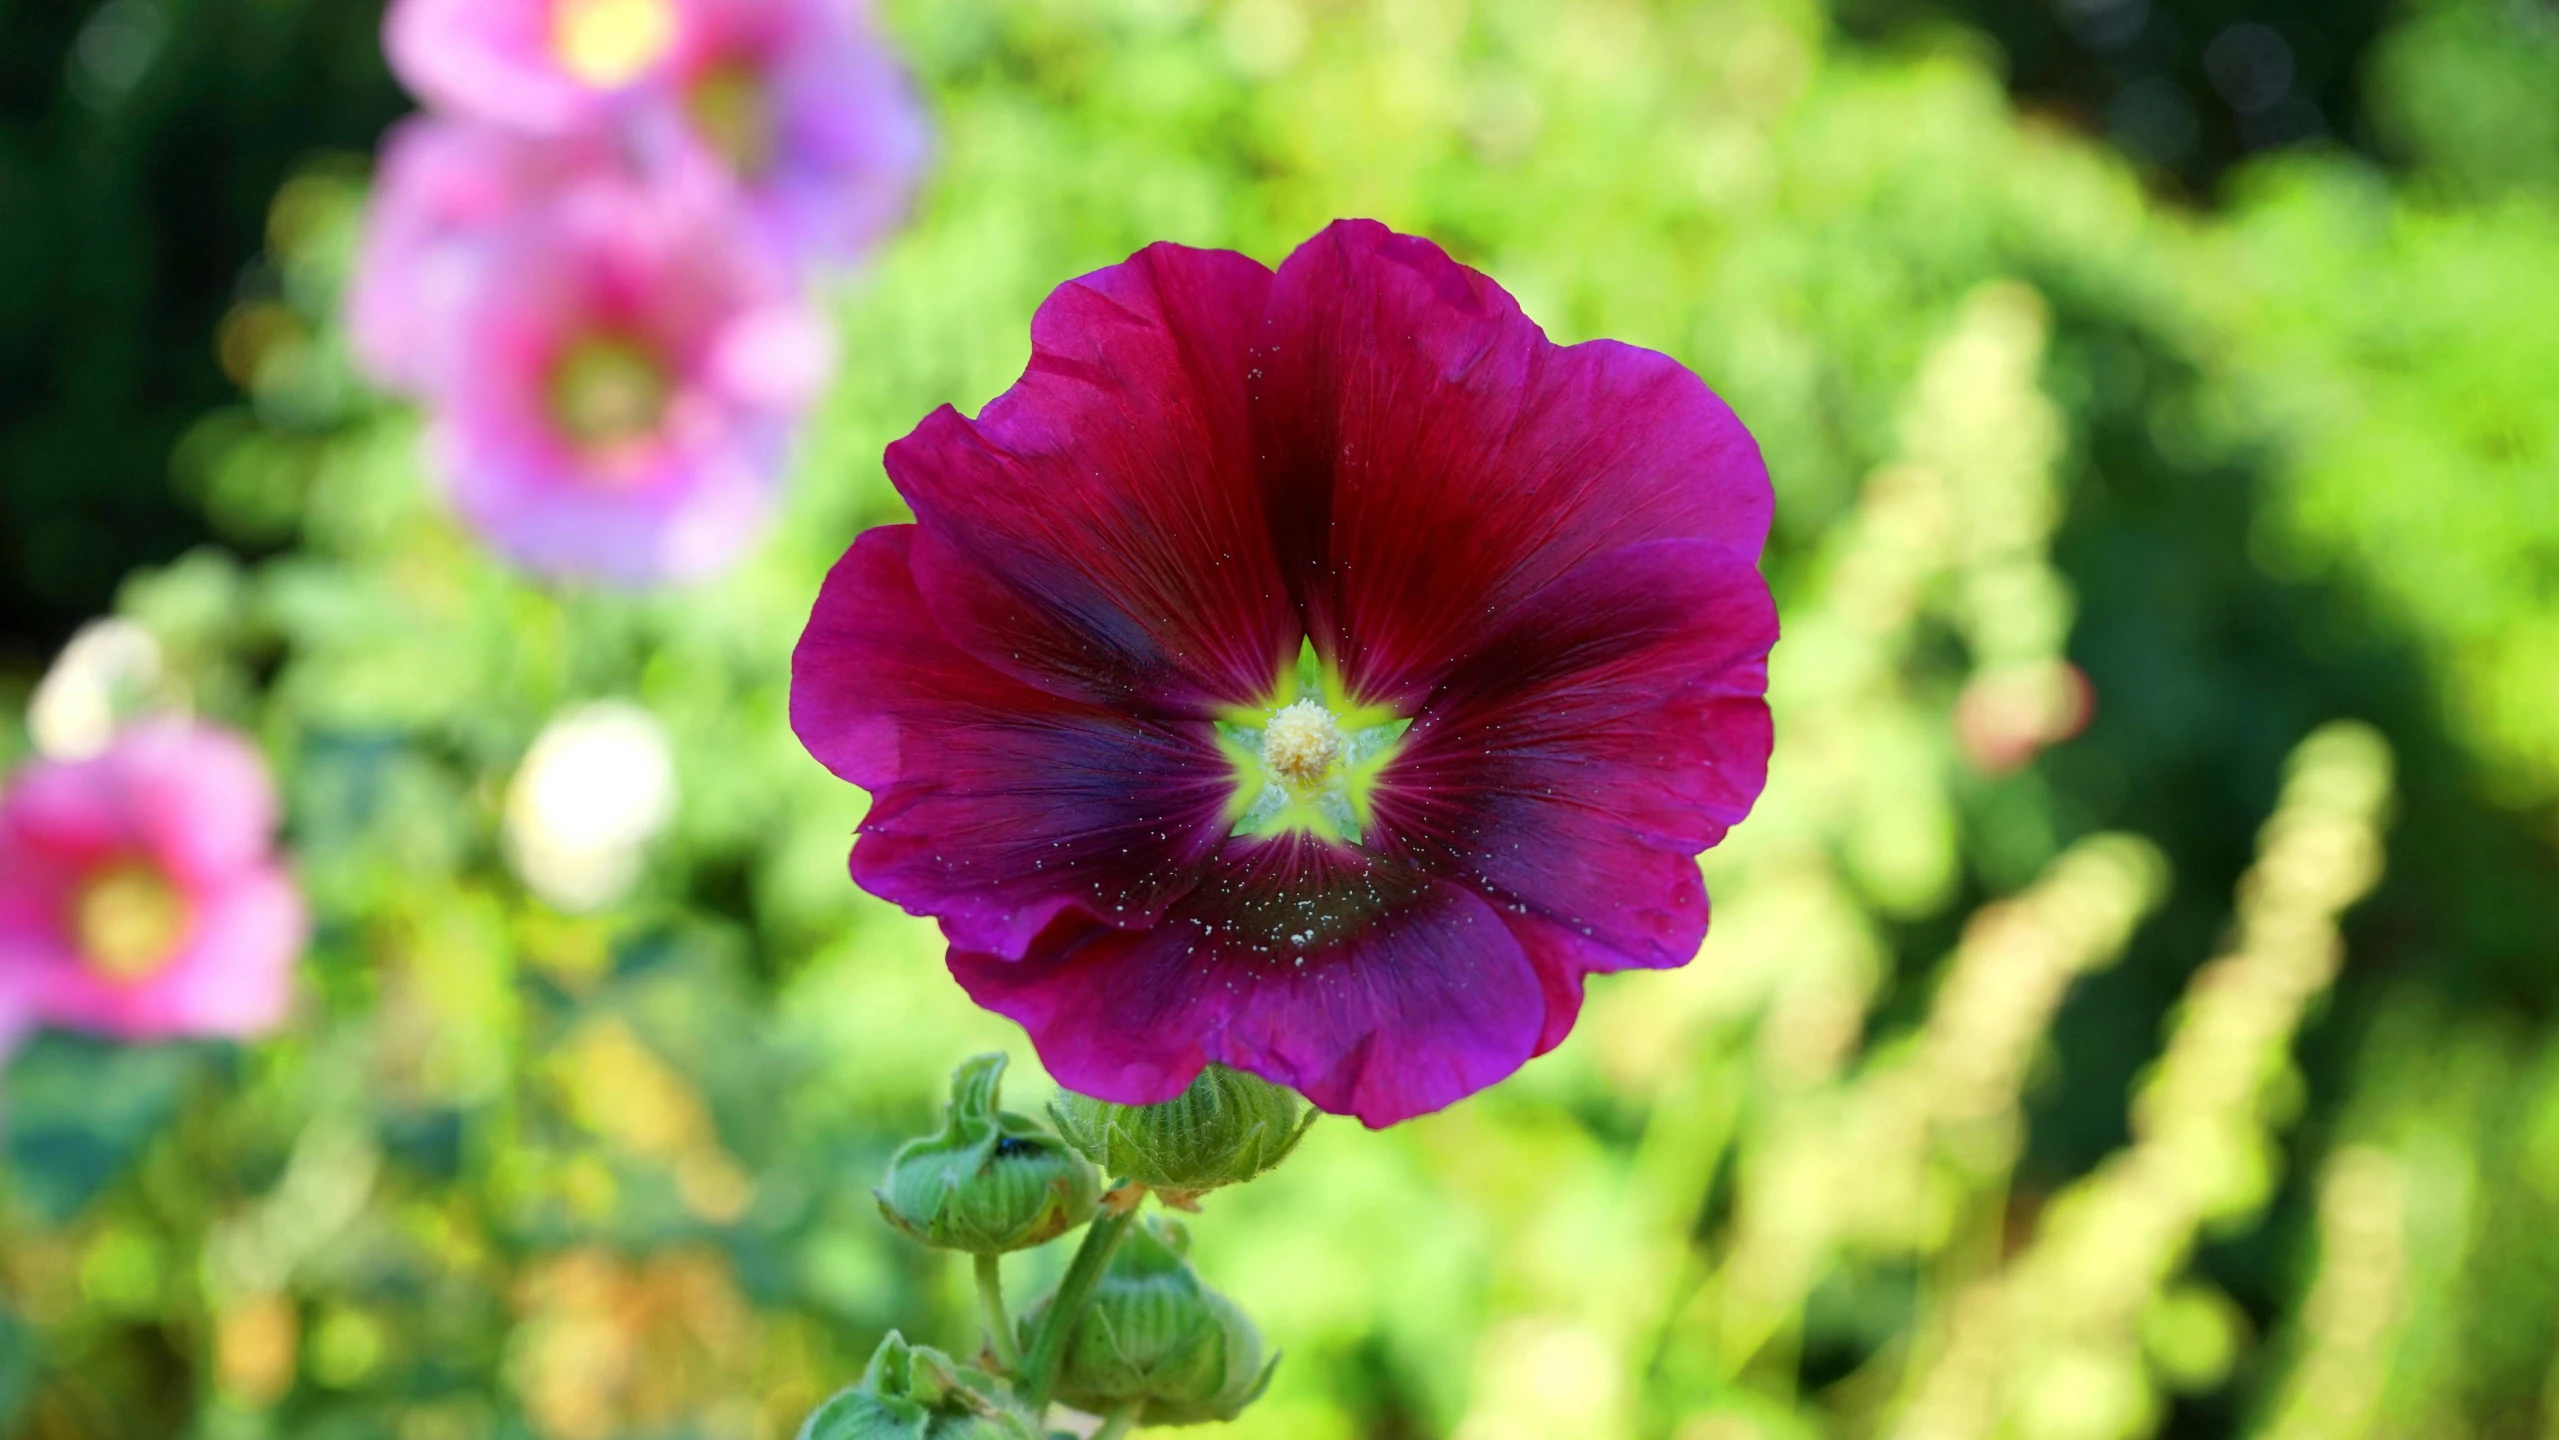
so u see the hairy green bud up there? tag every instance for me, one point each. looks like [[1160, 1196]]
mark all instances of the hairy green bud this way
[[910, 1392], [1156, 1336], [992, 1181], [1224, 1130]]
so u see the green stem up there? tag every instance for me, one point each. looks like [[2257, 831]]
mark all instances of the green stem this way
[[999, 1322], [1048, 1346], [1121, 1422]]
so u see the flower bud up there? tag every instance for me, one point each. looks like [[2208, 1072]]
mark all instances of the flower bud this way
[[992, 1181], [1224, 1130], [1155, 1335], [910, 1392]]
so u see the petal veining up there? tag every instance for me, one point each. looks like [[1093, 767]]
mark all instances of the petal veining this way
[[1434, 460], [996, 806], [1614, 726], [1098, 531]]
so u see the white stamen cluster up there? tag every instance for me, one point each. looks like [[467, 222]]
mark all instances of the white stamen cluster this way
[[1300, 745]]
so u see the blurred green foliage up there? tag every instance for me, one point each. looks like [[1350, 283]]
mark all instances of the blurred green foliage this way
[[2027, 1085]]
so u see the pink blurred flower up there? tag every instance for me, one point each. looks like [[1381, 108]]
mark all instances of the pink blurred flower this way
[[140, 892], [446, 194], [800, 101], [548, 66], [805, 107], [587, 266], [634, 365]]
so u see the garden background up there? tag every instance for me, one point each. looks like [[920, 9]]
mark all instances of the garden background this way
[[2187, 1073]]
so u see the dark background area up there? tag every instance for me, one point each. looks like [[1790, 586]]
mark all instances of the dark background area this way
[[2191, 87], [141, 141], [140, 144]]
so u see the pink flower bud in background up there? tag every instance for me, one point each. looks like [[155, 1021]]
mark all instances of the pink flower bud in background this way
[[141, 895]]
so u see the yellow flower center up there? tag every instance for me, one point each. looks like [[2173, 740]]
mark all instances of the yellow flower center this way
[[1300, 745], [607, 392], [610, 43], [734, 118], [1308, 759], [128, 922]]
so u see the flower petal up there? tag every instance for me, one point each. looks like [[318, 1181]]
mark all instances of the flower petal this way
[[1099, 530], [233, 975], [1438, 460], [443, 191], [995, 806], [195, 800], [1372, 988], [1564, 960], [487, 61], [1614, 725]]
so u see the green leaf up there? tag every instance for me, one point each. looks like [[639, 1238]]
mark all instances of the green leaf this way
[[79, 1110]]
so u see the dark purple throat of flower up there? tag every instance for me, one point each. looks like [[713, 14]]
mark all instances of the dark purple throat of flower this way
[[1318, 673]]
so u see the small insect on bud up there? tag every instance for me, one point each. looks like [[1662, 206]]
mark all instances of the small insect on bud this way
[[1157, 1337], [1224, 1130], [992, 1181], [910, 1392]]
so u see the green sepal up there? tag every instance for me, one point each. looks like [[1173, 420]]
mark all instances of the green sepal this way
[[1155, 1335], [992, 1181], [912, 1392], [1225, 1129]]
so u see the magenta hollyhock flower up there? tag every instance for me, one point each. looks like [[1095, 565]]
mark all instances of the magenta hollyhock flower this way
[[638, 364], [1319, 673], [140, 892]]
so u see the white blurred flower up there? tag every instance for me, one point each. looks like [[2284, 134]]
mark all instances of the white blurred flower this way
[[103, 675], [595, 789]]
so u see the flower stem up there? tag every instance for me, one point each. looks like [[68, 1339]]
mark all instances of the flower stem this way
[[999, 1322], [1121, 1422], [1048, 1346]]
